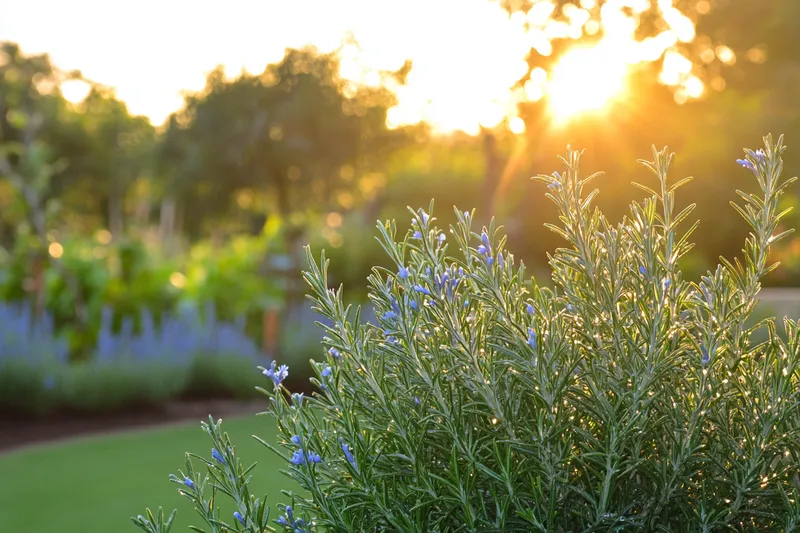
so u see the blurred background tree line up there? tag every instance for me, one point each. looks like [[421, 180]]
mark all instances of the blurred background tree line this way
[[102, 212]]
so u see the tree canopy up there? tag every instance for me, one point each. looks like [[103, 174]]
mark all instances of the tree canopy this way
[[294, 138]]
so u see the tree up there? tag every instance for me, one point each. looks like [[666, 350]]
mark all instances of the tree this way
[[117, 151], [297, 135], [54, 154], [29, 101], [94, 149]]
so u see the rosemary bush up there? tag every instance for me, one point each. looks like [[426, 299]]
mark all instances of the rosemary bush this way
[[624, 399]]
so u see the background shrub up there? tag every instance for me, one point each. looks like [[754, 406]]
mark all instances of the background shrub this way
[[31, 361], [222, 375], [30, 387], [106, 386]]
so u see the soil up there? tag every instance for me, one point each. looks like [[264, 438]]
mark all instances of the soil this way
[[18, 433]]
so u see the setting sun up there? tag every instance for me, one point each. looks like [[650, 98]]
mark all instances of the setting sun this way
[[584, 80]]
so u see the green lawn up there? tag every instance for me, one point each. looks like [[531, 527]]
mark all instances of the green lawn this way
[[94, 485]]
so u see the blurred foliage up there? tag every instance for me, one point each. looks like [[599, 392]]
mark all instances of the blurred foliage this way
[[98, 388], [93, 152], [24, 386], [127, 278], [231, 276], [100, 210], [221, 376], [295, 137]]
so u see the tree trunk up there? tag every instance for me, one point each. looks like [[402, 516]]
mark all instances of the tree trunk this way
[[116, 219], [492, 173], [166, 223]]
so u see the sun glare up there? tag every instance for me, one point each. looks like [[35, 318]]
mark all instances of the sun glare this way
[[585, 80], [75, 91], [464, 91]]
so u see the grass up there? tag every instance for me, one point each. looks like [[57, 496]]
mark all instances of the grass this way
[[97, 483]]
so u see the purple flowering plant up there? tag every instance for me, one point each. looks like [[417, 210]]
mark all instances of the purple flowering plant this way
[[626, 398]]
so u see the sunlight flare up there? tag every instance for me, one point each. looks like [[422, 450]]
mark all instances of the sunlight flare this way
[[451, 91], [586, 80]]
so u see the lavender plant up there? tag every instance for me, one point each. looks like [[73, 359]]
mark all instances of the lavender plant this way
[[624, 399], [162, 360], [32, 359], [181, 354]]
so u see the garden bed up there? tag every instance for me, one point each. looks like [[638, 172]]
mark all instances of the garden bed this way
[[18, 432]]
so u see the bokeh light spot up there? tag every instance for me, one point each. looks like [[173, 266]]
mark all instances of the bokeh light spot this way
[[585, 79]]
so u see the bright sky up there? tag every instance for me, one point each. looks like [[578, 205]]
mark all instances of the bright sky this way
[[465, 53]]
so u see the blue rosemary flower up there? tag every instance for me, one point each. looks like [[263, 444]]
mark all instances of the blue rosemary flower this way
[[485, 248], [485, 240], [348, 454], [326, 371], [423, 290], [531, 338], [289, 521], [555, 184], [336, 354], [747, 164], [188, 481], [709, 297], [425, 217], [298, 457], [238, 516], [297, 399], [278, 375], [403, 273], [313, 457], [217, 456]]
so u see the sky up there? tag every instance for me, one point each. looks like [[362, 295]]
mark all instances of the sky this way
[[466, 54], [463, 51]]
